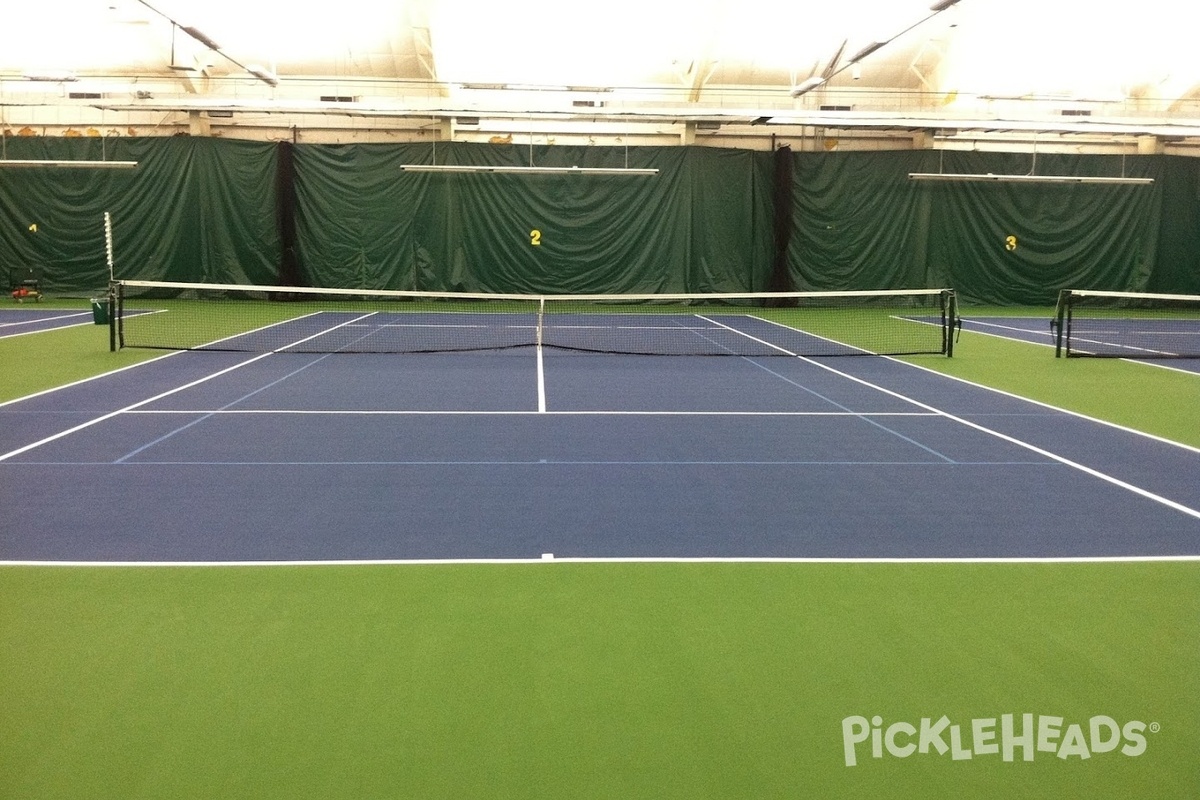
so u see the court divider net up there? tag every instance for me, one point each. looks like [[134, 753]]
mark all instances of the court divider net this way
[[198, 316]]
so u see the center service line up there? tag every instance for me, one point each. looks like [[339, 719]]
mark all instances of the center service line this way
[[541, 381]]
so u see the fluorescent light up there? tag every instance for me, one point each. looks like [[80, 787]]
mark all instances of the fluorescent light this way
[[866, 51], [200, 37], [997, 178], [807, 85], [263, 74], [54, 76], [527, 170], [535, 87], [79, 164]]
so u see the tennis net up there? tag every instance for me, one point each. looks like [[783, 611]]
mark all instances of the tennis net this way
[[1097, 324], [198, 316]]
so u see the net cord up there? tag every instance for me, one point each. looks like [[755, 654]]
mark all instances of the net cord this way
[[543, 298], [1073, 293]]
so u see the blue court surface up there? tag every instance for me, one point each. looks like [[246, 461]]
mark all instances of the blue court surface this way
[[1037, 330], [221, 457], [30, 319]]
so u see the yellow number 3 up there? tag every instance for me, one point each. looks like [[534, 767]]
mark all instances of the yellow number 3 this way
[[1010, 243], [535, 237]]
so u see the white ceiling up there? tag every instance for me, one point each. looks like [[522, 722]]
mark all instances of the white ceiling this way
[[719, 59]]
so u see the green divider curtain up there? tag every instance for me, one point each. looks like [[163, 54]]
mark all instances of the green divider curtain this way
[[1177, 266], [200, 209], [701, 225], [858, 223], [194, 209], [861, 223], [1019, 243]]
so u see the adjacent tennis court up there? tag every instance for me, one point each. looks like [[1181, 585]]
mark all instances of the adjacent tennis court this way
[[21, 321]]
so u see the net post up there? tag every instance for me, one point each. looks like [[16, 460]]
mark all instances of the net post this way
[[114, 316], [541, 317], [1059, 323], [950, 321]]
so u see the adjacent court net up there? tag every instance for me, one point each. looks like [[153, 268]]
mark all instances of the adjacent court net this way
[[1127, 325], [303, 320]]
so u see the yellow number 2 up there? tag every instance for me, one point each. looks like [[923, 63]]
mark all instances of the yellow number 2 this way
[[535, 237]]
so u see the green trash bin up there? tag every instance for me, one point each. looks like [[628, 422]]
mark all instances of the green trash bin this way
[[99, 311]]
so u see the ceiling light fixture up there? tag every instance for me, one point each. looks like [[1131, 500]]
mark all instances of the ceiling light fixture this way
[[807, 85], [74, 164], [52, 76], [866, 51], [263, 74], [200, 37], [965, 177], [514, 170], [1028, 177]]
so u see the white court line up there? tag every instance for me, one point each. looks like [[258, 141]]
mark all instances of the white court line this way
[[541, 381], [89, 379], [1038, 332], [1145, 362], [552, 559], [866, 419], [1007, 337], [429, 413], [1163, 365], [938, 412], [168, 393], [128, 408], [15, 334], [38, 320], [1057, 409], [1010, 439]]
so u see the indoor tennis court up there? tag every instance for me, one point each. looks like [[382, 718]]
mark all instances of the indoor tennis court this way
[[647, 400], [551, 541], [513, 454]]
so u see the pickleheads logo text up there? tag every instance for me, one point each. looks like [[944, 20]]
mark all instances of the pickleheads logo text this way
[[1008, 736]]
